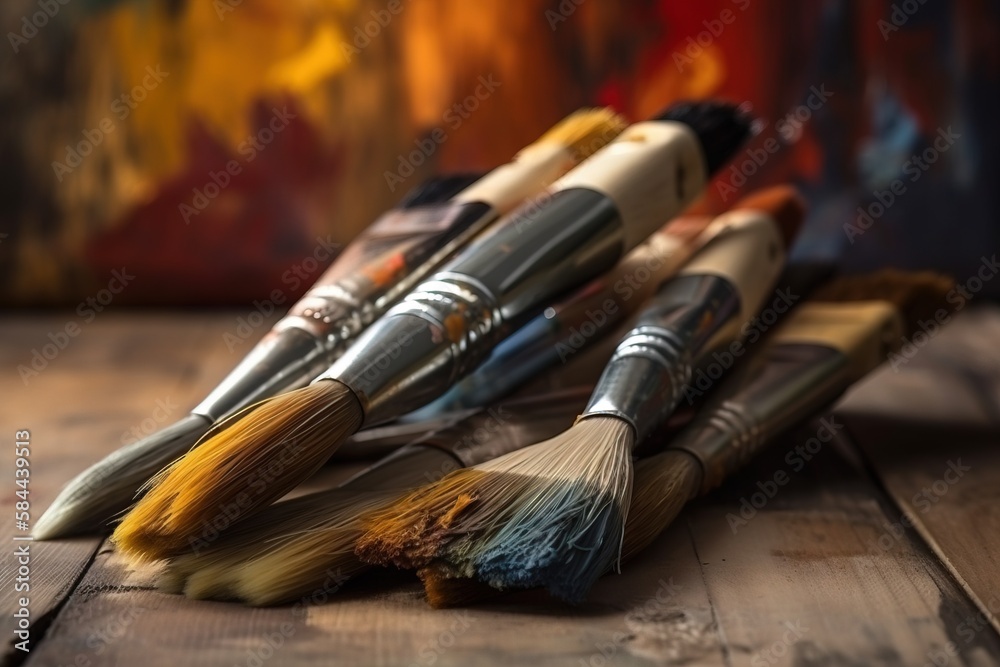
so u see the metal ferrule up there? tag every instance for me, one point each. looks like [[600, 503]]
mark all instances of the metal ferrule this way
[[420, 348], [782, 386], [281, 361], [344, 301], [645, 378], [449, 324], [329, 313]]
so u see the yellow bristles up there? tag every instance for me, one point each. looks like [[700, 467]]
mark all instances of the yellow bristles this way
[[586, 131], [252, 461], [288, 552]]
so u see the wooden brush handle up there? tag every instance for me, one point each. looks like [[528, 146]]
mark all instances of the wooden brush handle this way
[[817, 354], [651, 171], [745, 247], [706, 305]]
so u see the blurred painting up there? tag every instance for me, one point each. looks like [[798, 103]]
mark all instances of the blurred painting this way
[[215, 149]]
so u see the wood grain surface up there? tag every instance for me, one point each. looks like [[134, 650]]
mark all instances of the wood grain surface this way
[[803, 581], [930, 429]]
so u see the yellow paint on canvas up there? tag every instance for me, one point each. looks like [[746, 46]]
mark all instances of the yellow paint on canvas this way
[[222, 57]]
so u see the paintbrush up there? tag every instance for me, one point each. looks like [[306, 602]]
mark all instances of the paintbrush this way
[[387, 260], [553, 514], [296, 549], [824, 346], [844, 332], [576, 322], [576, 230]]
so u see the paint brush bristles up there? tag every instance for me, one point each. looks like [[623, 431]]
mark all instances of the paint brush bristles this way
[[306, 549], [449, 323], [303, 548], [553, 494], [585, 131], [319, 326], [662, 486], [104, 490], [251, 457], [553, 515]]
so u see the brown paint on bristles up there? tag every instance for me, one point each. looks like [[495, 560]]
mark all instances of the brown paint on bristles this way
[[662, 486], [251, 461], [665, 482], [409, 532], [443, 588], [585, 469]]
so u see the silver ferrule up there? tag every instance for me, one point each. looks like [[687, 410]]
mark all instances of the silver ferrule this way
[[281, 361], [784, 385], [645, 379], [331, 314], [411, 242], [449, 324], [345, 300], [437, 334]]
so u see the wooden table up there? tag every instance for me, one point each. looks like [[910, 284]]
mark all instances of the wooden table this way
[[825, 573]]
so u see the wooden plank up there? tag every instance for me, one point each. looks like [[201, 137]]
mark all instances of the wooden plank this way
[[700, 595], [109, 379], [805, 559], [931, 432], [801, 580], [643, 617]]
